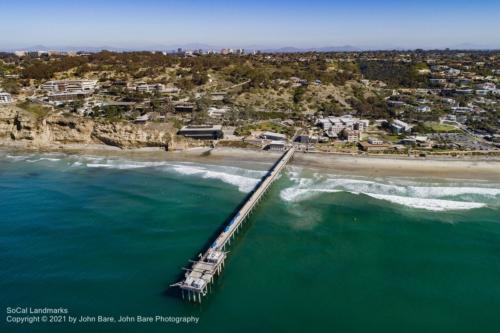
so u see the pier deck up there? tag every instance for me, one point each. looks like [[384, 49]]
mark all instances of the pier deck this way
[[200, 276]]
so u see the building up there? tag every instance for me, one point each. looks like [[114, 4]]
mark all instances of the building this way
[[171, 90], [420, 141], [273, 136], [424, 108], [306, 139], [398, 126], [184, 107], [206, 132], [5, 98], [68, 96], [395, 104], [276, 145], [142, 119], [350, 135], [436, 81], [487, 86], [462, 109], [69, 85], [218, 96], [375, 141], [332, 126], [371, 147], [216, 112], [150, 88]]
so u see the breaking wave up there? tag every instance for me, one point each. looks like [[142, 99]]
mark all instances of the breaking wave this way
[[428, 204], [433, 197], [242, 178], [244, 183]]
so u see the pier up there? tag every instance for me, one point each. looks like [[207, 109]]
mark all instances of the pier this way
[[199, 277]]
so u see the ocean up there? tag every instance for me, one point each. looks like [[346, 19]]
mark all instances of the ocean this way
[[324, 252]]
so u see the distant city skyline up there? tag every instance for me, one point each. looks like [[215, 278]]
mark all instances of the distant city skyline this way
[[152, 24]]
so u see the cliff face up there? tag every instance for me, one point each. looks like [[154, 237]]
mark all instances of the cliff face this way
[[19, 126]]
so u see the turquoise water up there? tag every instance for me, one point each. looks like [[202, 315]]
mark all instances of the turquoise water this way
[[323, 252]]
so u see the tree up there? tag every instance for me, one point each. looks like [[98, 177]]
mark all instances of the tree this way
[[199, 78], [298, 95], [10, 86]]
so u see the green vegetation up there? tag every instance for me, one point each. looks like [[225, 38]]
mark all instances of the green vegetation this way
[[11, 86], [395, 74], [372, 107], [113, 112], [42, 70], [434, 127], [37, 110], [441, 128], [263, 126], [298, 95]]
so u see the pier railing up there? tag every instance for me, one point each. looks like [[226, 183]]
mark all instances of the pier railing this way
[[199, 277]]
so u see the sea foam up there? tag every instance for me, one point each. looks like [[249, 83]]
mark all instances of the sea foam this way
[[244, 183], [430, 197], [428, 204], [244, 179]]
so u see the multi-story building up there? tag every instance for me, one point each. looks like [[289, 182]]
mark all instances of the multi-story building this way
[[398, 126], [69, 85], [332, 126], [350, 135], [68, 96]]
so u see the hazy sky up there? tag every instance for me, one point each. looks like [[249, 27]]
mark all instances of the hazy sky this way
[[309, 23]]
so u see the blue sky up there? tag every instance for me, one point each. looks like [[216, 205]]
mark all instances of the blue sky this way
[[369, 24]]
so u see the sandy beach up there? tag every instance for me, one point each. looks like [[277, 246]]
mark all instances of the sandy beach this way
[[371, 166], [484, 168]]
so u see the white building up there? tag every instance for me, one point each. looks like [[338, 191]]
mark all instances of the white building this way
[[273, 136], [171, 90], [68, 96], [5, 98], [69, 85], [462, 109], [424, 108], [150, 88], [334, 125], [276, 145], [375, 141], [216, 112]]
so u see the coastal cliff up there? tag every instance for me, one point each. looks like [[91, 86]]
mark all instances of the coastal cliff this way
[[22, 128]]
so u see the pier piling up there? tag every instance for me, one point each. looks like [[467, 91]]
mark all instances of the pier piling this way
[[200, 276]]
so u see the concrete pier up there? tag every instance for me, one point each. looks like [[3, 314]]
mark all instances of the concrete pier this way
[[201, 274]]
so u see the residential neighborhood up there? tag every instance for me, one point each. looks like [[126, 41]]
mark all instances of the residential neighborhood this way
[[415, 102]]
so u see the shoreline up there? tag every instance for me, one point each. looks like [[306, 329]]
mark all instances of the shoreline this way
[[473, 168]]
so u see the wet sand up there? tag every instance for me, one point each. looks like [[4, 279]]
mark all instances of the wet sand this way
[[483, 168]]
